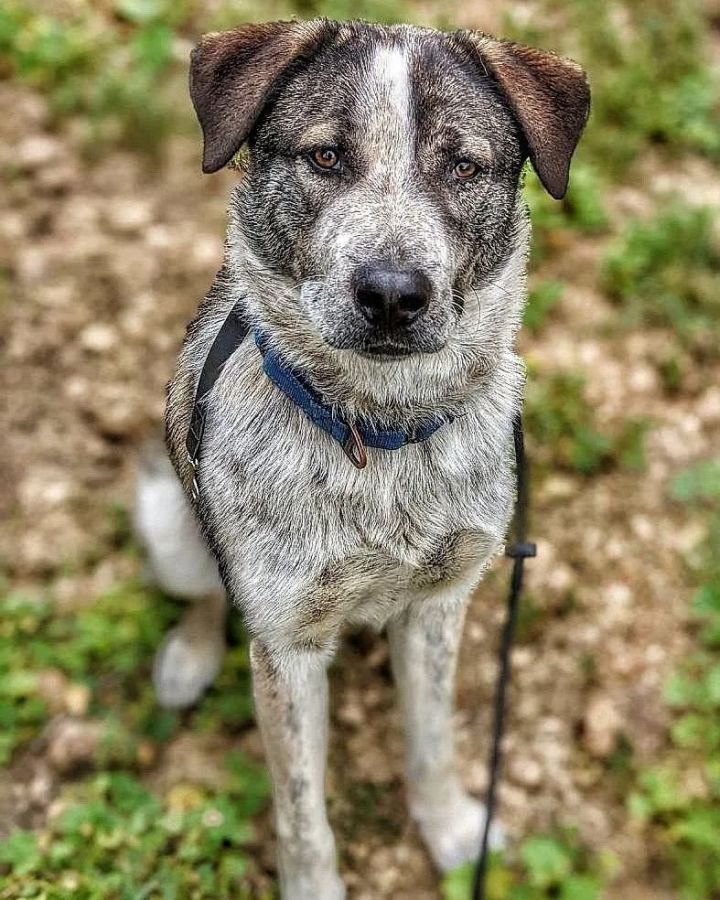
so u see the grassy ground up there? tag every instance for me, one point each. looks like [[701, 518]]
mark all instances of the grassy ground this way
[[108, 236]]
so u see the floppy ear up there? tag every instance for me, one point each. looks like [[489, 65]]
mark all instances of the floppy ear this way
[[232, 76], [549, 96]]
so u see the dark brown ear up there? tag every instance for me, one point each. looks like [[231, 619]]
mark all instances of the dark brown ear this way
[[232, 74], [549, 96]]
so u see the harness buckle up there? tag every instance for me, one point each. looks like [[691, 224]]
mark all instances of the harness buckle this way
[[354, 448]]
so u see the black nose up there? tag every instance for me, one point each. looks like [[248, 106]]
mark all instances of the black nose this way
[[391, 297]]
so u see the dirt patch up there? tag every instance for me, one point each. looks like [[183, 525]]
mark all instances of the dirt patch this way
[[104, 263]]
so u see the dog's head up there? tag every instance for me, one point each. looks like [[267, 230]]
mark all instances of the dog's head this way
[[384, 163]]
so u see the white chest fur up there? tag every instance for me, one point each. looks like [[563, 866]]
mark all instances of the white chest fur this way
[[307, 541]]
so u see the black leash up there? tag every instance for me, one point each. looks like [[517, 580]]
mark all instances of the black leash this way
[[518, 551]]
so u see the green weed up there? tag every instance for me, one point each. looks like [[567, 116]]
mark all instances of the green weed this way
[[666, 273], [652, 83], [120, 68], [108, 69], [115, 839], [548, 867], [562, 422], [678, 800], [582, 210], [103, 647], [542, 299], [108, 647]]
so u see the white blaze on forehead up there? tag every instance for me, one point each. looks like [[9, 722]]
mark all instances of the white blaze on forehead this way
[[390, 102], [393, 74]]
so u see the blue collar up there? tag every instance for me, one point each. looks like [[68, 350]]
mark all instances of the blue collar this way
[[353, 437]]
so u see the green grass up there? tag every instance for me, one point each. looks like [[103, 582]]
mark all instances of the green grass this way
[[665, 273], [118, 70], [542, 300], [549, 866], [110, 71], [102, 647], [108, 647], [652, 83], [115, 838], [566, 436], [677, 801], [581, 211], [653, 86]]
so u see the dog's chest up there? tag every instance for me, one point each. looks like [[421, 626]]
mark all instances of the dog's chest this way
[[307, 541], [397, 546]]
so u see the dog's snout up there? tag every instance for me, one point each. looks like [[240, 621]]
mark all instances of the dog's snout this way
[[391, 297]]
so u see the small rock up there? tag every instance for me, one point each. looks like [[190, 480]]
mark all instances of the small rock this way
[[44, 488], [559, 487], [41, 788], [182, 798], [351, 713], [146, 754], [32, 263], [117, 411], [98, 337], [37, 151], [129, 215], [74, 743], [58, 178], [205, 251], [526, 771], [602, 725], [77, 699], [51, 687], [13, 225], [62, 695], [708, 407]]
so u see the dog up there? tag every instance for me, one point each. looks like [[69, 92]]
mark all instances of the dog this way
[[376, 250]]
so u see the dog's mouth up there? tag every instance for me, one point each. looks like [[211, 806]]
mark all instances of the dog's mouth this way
[[387, 349]]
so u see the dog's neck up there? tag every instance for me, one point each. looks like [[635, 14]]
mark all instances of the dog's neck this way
[[384, 391]]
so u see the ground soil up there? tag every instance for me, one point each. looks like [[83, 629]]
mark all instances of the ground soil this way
[[105, 262]]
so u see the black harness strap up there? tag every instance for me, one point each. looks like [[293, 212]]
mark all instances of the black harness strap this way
[[518, 551], [233, 332]]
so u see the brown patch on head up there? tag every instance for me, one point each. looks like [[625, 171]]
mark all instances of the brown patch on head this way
[[549, 96], [233, 75]]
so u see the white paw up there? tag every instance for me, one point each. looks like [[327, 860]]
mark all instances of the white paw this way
[[308, 885], [184, 669], [308, 868], [452, 832]]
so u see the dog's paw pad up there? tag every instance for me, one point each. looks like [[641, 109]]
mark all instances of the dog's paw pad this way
[[183, 670], [453, 834]]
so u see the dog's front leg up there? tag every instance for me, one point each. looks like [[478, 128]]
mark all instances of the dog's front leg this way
[[292, 714], [424, 645]]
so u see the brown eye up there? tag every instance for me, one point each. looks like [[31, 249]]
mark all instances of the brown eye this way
[[465, 169], [325, 158]]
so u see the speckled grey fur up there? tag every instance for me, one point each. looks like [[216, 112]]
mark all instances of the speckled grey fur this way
[[305, 542]]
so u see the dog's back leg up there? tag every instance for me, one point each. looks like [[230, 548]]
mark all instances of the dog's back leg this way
[[180, 564]]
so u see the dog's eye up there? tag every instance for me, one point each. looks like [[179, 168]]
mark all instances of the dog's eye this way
[[327, 159], [465, 170]]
